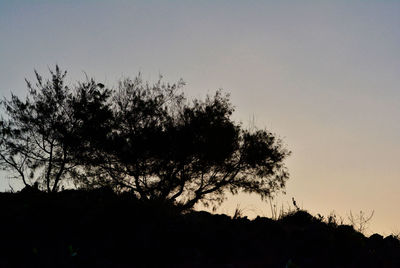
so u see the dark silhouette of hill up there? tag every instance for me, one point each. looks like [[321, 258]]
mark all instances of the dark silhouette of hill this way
[[98, 228]]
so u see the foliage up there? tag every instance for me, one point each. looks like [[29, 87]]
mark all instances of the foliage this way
[[144, 138], [37, 133], [167, 148], [33, 134]]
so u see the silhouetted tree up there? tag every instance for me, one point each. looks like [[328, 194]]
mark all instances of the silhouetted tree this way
[[37, 133], [162, 147], [143, 138]]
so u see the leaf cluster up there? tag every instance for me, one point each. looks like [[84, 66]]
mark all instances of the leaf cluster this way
[[144, 138]]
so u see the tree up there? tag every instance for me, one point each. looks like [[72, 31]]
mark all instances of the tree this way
[[163, 147], [144, 138], [37, 133]]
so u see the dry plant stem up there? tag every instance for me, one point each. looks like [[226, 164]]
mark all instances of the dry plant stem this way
[[360, 222]]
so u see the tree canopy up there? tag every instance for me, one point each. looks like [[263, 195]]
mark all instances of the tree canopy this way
[[148, 139]]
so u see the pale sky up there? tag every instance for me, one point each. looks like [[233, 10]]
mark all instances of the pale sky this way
[[323, 75]]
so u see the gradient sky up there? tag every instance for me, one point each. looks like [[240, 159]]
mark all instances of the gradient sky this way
[[323, 75]]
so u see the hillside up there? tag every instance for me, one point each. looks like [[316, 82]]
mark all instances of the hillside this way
[[99, 228]]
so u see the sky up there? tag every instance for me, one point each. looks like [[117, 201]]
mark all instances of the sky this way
[[322, 75]]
